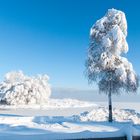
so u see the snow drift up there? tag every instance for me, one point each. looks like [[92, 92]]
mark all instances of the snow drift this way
[[57, 127], [101, 114], [18, 88]]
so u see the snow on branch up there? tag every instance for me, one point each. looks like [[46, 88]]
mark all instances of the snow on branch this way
[[18, 88], [107, 45]]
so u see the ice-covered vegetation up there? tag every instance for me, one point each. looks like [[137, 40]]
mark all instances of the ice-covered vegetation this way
[[105, 61], [101, 114], [18, 88]]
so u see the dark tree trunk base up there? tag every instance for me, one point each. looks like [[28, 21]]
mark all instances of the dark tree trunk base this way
[[136, 137]]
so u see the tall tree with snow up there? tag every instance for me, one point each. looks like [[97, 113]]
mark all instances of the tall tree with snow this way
[[105, 64]]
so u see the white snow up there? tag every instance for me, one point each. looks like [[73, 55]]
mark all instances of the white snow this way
[[119, 115], [52, 104], [89, 124]]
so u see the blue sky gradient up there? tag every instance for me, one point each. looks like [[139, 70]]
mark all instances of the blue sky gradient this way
[[52, 36]]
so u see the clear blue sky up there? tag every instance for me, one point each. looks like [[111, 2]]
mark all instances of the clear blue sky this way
[[52, 36]]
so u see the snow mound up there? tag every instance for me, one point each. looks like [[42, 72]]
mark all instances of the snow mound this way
[[101, 114], [17, 89]]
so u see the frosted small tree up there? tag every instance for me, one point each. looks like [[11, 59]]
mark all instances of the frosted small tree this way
[[105, 64], [20, 89]]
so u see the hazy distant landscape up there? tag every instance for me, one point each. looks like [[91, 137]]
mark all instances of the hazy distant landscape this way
[[126, 101], [92, 95]]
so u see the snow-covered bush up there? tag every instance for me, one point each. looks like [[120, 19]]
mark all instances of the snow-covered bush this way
[[17, 89]]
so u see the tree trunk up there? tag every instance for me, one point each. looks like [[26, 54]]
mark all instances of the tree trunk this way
[[110, 104]]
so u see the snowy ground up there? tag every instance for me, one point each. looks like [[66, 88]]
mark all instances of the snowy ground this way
[[54, 107], [66, 118], [33, 128]]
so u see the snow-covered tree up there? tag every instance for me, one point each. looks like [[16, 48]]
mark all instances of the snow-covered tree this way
[[17, 89], [105, 63]]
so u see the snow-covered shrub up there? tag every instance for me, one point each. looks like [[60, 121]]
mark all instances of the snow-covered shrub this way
[[17, 89]]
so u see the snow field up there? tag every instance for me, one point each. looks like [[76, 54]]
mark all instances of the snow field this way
[[89, 124]]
